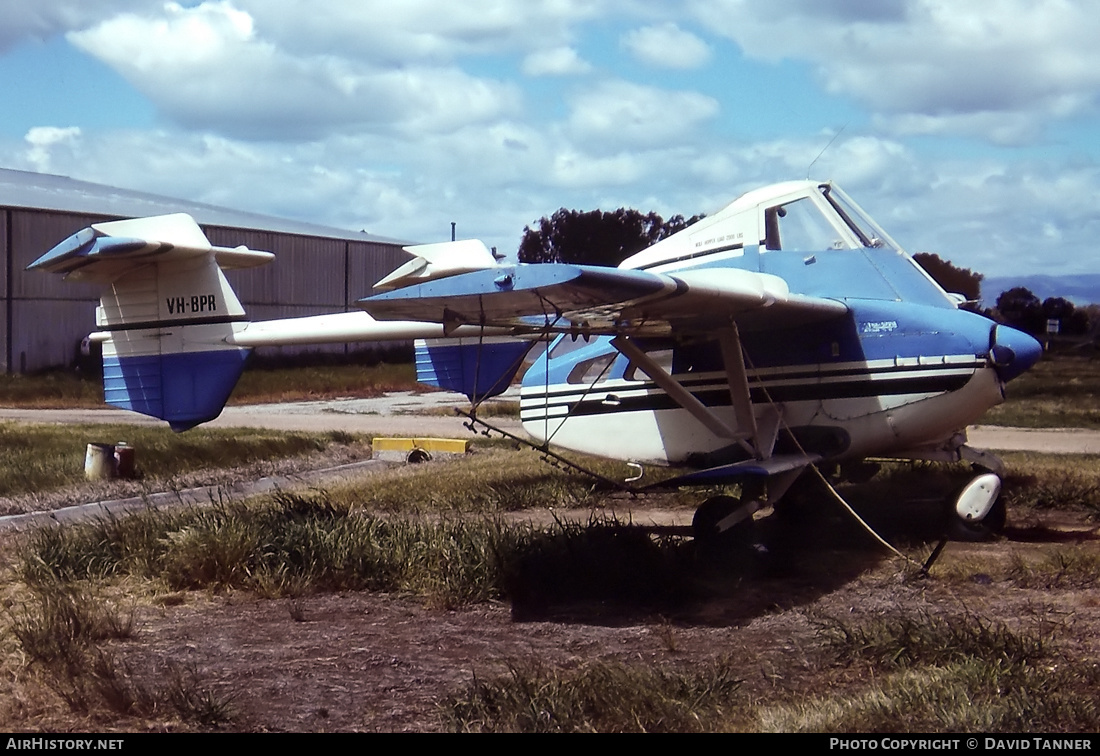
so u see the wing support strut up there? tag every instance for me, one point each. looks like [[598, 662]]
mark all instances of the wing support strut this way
[[738, 377], [747, 432]]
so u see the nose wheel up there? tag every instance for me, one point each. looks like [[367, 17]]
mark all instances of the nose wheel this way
[[978, 512]]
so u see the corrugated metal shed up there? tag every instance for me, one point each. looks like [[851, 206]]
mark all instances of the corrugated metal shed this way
[[316, 270]]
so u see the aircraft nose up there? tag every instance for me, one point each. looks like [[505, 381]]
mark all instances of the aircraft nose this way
[[1013, 352]]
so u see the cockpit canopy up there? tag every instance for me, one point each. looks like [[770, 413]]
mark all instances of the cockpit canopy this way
[[802, 216]]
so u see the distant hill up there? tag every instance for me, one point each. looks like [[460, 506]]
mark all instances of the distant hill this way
[[1081, 289]]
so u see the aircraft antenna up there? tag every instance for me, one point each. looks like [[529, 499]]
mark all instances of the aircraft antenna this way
[[825, 149]]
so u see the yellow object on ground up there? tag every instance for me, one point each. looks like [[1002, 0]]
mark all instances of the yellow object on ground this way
[[425, 448]]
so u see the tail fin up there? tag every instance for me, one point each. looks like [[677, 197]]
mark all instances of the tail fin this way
[[478, 368], [165, 313]]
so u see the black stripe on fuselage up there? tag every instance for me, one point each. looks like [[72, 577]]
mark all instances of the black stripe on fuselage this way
[[719, 397], [816, 375], [693, 256]]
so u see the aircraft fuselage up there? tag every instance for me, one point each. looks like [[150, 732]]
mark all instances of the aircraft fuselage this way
[[902, 369]]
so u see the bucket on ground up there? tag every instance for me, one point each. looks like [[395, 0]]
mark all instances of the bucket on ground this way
[[106, 461], [99, 462], [124, 460]]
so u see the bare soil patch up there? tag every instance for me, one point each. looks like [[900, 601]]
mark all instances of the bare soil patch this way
[[373, 662], [358, 661]]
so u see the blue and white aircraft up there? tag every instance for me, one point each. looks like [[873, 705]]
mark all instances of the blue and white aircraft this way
[[784, 331]]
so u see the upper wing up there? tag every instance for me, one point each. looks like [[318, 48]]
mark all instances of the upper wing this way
[[564, 297]]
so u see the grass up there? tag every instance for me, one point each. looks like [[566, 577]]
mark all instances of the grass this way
[[1060, 391], [1067, 567], [62, 629], [944, 673], [1052, 482], [597, 697], [433, 530], [292, 545], [260, 383], [973, 695], [51, 389], [923, 638], [910, 670], [916, 672], [316, 382], [64, 619], [496, 479], [38, 458], [438, 532]]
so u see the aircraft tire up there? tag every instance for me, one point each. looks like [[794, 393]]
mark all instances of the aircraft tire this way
[[704, 524], [973, 532]]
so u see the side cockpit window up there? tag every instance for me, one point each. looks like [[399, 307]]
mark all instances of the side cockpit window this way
[[799, 226], [593, 370]]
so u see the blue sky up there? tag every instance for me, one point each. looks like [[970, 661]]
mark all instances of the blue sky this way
[[967, 129]]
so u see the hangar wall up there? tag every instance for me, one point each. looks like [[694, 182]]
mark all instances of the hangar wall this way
[[44, 318]]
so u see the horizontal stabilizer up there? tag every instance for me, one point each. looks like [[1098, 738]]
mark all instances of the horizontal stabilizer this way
[[166, 313], [104, 251]]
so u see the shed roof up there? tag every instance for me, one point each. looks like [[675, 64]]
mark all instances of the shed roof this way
[[43, 191]]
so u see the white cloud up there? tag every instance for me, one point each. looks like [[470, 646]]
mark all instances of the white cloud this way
[[667, 46], [626, 114], [368, 114], [988, 216], [43, 141], [575, 169], [41, 19], [208, 67], [428, 31], [934, 66], [558, 61]]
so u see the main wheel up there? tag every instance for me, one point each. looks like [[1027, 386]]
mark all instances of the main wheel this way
[[704, 524]]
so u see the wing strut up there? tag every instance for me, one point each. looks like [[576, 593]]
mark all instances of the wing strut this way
[[755, 438], [738, 378]]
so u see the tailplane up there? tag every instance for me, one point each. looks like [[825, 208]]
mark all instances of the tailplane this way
[[166, 312]]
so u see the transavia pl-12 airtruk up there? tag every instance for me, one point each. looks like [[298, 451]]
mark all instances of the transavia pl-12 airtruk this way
[[784, 331]]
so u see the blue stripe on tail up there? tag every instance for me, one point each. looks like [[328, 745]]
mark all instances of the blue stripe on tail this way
[[185, 389], [478, 370]]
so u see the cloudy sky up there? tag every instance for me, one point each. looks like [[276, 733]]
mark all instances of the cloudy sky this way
[[967, 129]]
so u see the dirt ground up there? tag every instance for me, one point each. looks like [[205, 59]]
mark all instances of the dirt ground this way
[[372, 662], [363, 662]]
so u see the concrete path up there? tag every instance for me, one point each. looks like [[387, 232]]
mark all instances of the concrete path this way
[[402, 413], [399, 413]]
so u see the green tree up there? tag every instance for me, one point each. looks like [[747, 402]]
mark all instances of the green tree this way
[[951, 277], [596, 237], [1073, 321], [1019, 308]]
